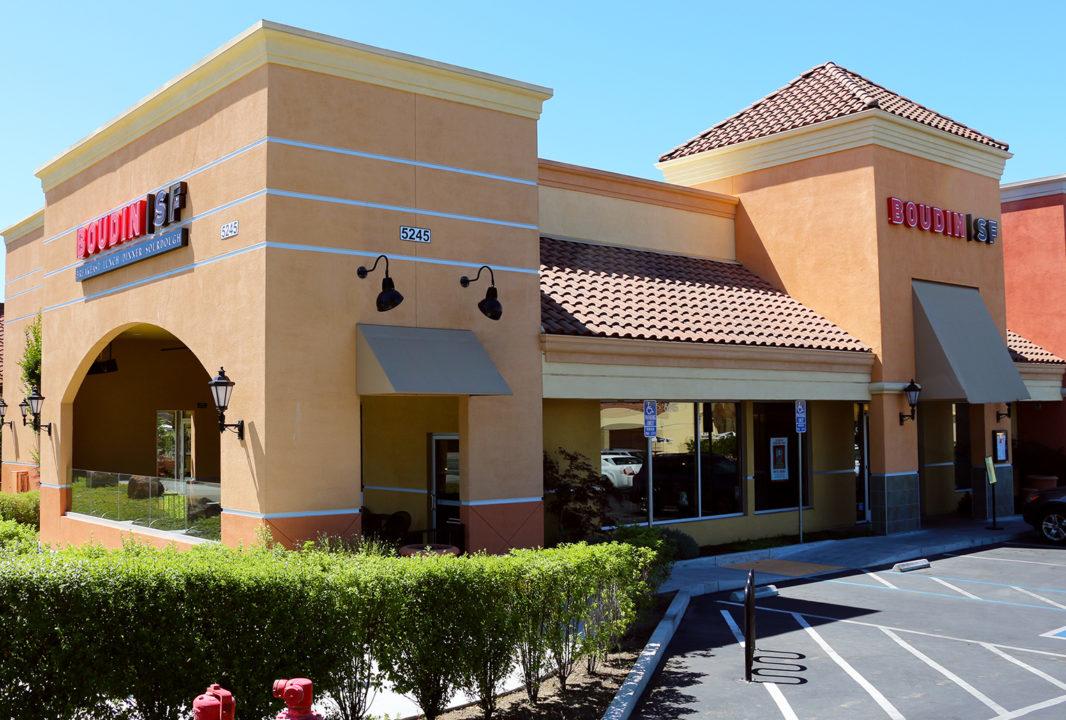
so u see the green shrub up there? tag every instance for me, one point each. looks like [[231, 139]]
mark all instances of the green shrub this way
[[22, 508], [654, 539], [684, 545], [138, 632]]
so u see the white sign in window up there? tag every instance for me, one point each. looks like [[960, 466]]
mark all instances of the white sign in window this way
[[779, 458]]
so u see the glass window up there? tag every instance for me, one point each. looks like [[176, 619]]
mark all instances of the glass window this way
[[721, 476], [674, 493], [777, 457], [622, 451]]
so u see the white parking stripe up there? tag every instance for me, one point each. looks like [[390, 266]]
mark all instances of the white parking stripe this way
[[992, 704], [982, 557], [880, 579], [1038, 597], [873, 692], [775, 692], [959, 590], [1031, 708], [1039, 673]]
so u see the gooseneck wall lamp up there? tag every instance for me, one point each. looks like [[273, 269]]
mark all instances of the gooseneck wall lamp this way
[[912, 391], [1000, 414], [490, 306], [221, 388], [389, 297], [35, 401]]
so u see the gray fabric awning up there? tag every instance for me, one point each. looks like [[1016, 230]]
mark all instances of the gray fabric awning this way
[[392, 360], [959, 352]]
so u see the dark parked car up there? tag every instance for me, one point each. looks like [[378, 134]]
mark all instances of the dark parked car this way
[[1045, 510]]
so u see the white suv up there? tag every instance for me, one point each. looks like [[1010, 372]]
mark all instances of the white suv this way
[[618, 468]]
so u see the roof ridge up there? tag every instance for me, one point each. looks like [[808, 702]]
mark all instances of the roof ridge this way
[[847, 78]]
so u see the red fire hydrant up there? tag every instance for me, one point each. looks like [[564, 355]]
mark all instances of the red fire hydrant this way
[[216, 703], [298, 695]]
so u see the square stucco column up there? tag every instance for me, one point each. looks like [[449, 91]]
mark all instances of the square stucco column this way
[[983, 422], [895, 504], [502, 471]]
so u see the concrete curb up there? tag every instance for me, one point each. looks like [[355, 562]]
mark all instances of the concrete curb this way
[[632, 689]]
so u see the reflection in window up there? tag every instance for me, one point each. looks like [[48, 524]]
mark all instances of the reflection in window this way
[[674, 493], [622, 452], [721, 478], [960, 428], [777, 457]]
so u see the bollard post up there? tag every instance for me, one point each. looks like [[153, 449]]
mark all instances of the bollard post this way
[[749, 624]]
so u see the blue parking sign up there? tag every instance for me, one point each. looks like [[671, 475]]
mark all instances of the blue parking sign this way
[[651, 418], [801, 416]]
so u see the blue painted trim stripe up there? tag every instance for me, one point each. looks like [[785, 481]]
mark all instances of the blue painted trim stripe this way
[[281, 515], [55, 486], [398, 208], [23, 464], [501, 501], [71, 266], [397, 258], [386, 488], [399, 160], [23, 292], [25, 274], [186, 176]]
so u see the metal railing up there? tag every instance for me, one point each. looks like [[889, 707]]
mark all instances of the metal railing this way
[[189, 505]]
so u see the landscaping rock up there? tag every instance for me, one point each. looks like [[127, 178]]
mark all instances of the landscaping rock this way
[[142, 487]]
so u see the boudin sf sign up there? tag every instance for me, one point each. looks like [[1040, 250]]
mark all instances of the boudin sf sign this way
[[942, 222], [107, 243]]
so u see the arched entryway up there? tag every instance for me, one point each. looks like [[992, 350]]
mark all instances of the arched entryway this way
[[145, 440]]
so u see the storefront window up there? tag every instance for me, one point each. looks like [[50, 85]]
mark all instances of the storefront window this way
[[721, 478], [961, 431], [674, 493], [777, 457], [622, 452]]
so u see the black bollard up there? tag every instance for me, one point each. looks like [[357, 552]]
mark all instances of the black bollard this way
[[749, 624]]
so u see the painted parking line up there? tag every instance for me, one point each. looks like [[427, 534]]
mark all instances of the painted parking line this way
[[972, 598], [989, 702], [1058, 634], [865, 684], [995, 584], [775, 692], [880, 579], [957, 589], [901, 630], [1020, 712], [997, 559], [1039, 673], [1030, 593]]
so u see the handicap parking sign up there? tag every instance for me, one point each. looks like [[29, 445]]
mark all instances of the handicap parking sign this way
[[650, 419], [801, 416]]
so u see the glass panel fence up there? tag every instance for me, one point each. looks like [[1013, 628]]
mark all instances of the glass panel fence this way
[[187, 505]]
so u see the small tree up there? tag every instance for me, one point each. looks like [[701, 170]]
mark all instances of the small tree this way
[[577, 494], [30, 364]]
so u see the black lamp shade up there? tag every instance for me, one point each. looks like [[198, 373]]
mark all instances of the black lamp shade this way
[[35, 401], [3, 409], [912, 391], [221, 388], [389, 297], [24, 407], [490, 307]]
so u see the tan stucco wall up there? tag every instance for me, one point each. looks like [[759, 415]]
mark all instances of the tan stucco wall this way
[[647, 226]]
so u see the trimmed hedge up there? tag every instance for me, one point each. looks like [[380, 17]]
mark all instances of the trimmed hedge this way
[[16, 537], [139, 632], [23, 508]]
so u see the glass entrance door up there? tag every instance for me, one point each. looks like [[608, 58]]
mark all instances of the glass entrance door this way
[[443, 479], [862, 463], [173, 444]]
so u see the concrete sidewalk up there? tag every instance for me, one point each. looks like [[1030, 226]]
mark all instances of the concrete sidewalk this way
[[713, 574]]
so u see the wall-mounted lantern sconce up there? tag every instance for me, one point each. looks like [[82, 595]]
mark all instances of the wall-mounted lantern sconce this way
[[912, 391], [1000, 414], [24, 408], [221, 388], [389, 297], [3, 415], [35, 401], [490, 306]]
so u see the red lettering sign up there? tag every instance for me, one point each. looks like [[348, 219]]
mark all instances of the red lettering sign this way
[[127, 223], [938, 220], [895, 211], [911, 214]]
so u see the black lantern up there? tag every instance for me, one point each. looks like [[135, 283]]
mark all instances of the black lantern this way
[[35, 401], [389, 297], [912, 391], [490, 306], [3, 415], [24, 408], [221, 389], [1000, 414]]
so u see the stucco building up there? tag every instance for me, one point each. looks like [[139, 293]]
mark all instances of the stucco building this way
[[831, 243]]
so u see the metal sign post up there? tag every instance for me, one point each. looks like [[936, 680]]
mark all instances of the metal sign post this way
[[801, 428], [990, 472], [651, 429]]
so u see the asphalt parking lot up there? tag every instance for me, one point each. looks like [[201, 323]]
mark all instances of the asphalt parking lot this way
[[978, 635]]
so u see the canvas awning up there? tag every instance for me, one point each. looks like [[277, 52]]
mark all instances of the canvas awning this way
[[392, 360], [959, 352]]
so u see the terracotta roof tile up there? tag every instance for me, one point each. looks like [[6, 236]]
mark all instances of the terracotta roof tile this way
[[1022, 349], [607, 291], [822, 93]]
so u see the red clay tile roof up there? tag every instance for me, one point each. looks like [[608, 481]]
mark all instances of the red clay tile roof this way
[[607, 291], [1022, 349], [822, 93]]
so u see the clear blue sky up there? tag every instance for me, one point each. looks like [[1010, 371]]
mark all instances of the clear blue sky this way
[[631, 79]]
